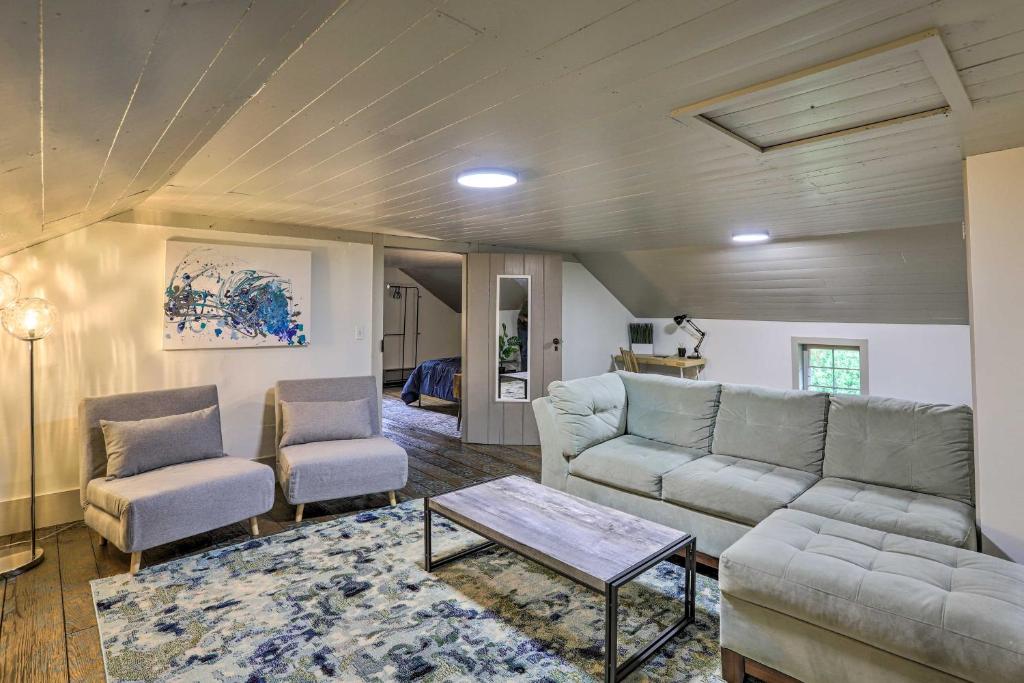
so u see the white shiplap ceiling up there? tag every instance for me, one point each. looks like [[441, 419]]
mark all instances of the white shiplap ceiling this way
[[357, 114]]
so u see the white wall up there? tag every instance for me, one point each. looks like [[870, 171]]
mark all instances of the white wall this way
[[593, 323], [919, 362], [107, 281], [995, 256], [440, 326]]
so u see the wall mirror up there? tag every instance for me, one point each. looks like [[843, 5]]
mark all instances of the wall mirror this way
[[512, 358]]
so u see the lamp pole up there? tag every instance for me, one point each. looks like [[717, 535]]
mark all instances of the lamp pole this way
[[32, 440]]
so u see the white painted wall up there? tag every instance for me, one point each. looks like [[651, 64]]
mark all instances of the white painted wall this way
[[593, 323], [995, 258], [440, 326], [920, 362], [107, 281]]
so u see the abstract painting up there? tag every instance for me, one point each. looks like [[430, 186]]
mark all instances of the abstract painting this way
[[223, 296]]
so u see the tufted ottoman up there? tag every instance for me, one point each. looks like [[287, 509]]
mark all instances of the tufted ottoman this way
[[824, 600]]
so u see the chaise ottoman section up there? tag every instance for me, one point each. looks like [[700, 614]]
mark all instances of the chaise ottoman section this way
[[870, 595]]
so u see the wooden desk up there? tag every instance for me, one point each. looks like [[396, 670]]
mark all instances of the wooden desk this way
[[688, 367]]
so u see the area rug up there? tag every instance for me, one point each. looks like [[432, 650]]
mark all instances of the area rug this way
[[348, 600]]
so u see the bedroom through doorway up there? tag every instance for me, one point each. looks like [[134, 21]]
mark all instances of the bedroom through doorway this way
[[422, 350]]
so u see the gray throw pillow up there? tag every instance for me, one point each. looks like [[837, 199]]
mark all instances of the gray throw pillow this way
[[142, 445], [309, 422]]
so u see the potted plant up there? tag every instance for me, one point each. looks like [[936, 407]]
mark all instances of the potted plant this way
[[508, 346]]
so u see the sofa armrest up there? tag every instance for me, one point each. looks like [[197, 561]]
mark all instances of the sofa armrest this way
[[554, 468]]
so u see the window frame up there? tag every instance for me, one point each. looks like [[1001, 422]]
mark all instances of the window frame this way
[[801, 357]]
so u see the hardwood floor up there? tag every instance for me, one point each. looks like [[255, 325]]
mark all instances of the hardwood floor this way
[[47, 623]]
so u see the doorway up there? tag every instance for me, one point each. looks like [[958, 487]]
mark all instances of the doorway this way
[[422, 340]]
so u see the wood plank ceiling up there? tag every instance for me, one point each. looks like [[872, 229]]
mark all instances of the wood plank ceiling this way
[[357, 114]]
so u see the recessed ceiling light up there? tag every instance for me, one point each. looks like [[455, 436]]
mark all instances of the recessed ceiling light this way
[[487, 178], [756, 236]]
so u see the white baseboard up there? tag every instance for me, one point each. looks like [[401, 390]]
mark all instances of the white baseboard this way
[[59, 507]]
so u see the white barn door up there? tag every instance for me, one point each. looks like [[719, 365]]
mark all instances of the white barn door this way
[[486, 419]]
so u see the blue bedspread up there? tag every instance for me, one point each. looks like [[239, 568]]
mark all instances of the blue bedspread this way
[[433, 378]]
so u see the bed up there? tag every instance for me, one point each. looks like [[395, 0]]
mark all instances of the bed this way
[[435, 378]]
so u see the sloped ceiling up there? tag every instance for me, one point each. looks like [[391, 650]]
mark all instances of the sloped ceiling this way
[[358, 114], [913, 275], [440, 273], [102, 102]]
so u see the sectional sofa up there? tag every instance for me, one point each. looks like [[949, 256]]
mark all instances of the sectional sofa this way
[[843, 526]]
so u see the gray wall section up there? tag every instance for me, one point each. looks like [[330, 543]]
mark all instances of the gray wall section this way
[[907, 275]]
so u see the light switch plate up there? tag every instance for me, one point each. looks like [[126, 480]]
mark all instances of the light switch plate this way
[[360, 332]]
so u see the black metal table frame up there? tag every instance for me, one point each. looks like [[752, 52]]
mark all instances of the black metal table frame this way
[[614, 671]]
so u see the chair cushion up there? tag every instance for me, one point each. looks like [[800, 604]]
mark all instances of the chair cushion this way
[[337, 469], [909, 513], [631, 463], [784, 428], [309, 421], [136, 446], [916, 446], [742, 490], [588, 411], [183, 500], [671, 409], [952, 609]]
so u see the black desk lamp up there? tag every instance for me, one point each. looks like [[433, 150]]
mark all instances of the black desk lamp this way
[[685, 319]]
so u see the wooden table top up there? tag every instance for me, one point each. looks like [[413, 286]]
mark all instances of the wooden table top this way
[[588, 542], [669, 361]]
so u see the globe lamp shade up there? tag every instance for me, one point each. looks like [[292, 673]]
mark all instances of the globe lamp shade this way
[[29, 319]]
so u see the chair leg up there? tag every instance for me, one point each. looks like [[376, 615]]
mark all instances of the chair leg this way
[[103, 540], [392, 498], [136, 562], [298, 511], [254, 526]]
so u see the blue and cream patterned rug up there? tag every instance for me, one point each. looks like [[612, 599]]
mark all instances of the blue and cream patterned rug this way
[[349, 600]]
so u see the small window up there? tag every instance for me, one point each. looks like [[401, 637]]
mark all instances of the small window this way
[[838, 366]]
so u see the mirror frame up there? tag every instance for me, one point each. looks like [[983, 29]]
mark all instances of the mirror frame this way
[[529, 334]]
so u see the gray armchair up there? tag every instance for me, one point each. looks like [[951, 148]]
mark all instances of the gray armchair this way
[[325, 470], [161, 505]]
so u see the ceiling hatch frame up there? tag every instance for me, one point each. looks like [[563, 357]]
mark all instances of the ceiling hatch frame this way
[[927, 44]]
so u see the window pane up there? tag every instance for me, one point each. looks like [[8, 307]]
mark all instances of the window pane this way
[[848, 358], [848, 379], [821, 358], [847, 391], [822, 377], [826, 389]]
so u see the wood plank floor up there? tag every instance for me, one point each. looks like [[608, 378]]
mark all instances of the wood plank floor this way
[[48, 627]]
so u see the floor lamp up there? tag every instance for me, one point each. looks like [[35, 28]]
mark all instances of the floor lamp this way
[[29, 320]]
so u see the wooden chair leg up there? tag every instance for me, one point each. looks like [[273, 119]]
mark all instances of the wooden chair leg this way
[[254, 526], [298, 511], [733, 666], [103, 540], [392, 498], [136, 562]]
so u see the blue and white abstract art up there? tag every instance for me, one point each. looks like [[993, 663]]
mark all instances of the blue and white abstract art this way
[[222, 296]]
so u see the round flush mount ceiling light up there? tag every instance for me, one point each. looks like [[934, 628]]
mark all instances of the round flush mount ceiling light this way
[[487, 178], [752, 236]]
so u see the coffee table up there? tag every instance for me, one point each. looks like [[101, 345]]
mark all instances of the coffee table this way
[[595, 546]]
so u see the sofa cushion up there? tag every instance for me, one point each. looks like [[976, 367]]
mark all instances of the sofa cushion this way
[[136, 446], [742, 490], [310, 421], [909, 513], [182, 500], [671, 409], [955, 610], [631, 463], [784, 428], [588, 411], [907, 445], [337, 469]]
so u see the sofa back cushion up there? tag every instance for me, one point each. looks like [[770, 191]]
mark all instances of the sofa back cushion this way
[[137, 446], [914, 446], [315, 421], [671, 409], [327, 389], [588, 411], [785, 428]]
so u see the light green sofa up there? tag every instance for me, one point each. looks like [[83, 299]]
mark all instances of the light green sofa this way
[[716, 459], [844, 525]]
